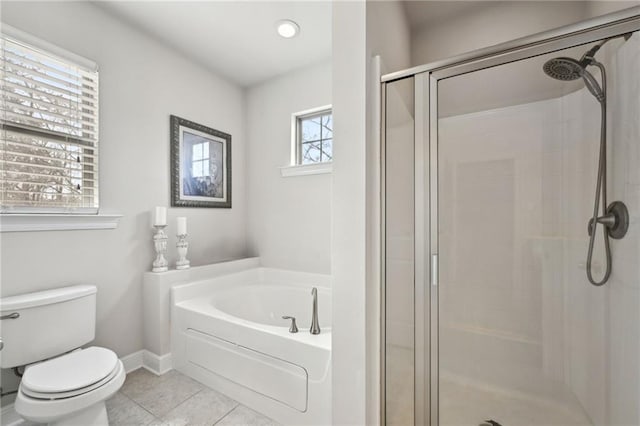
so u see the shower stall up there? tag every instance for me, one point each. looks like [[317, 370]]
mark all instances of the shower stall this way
[[511, 232]]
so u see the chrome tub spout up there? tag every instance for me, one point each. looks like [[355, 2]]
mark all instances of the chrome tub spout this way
[[315, 326]]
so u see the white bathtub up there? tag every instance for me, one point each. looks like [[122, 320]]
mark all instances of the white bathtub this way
[[265, 304], [228, 333]]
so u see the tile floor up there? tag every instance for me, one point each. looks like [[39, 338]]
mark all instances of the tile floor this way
[[174, 399]]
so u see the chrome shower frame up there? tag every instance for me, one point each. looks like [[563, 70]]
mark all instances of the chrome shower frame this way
[[426, 181]]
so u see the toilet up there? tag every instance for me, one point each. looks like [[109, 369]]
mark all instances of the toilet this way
[[62, 384]]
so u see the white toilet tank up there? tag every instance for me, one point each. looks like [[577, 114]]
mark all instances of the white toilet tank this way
[[44, 324]]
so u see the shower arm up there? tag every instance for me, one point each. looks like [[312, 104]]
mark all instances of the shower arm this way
[[588, 57]]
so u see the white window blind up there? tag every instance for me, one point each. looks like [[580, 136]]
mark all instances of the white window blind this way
[[49, 135]]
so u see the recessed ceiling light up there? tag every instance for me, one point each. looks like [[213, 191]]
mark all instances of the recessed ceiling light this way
[[287, 28]]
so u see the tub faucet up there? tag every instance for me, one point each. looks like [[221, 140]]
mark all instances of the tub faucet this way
[[315, 326], [294, 327]]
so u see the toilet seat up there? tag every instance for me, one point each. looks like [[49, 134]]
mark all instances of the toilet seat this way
[[46, 410], [68, 394], [71, 374]]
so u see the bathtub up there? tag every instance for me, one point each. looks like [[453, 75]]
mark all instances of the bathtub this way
[[228, 333]]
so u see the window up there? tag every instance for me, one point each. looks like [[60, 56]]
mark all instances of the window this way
[[200, 162], [314, 136], [49, 128]]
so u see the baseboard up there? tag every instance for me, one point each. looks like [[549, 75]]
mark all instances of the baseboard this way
[[157, 364], [132, 361]]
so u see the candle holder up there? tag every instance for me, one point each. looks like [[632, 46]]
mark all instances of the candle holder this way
[[160, 244], [182, 246]]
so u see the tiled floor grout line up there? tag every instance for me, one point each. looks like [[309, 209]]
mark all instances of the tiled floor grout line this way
[[179, 404], [160, 418], [228, 412], [143, 386], [136, 403]]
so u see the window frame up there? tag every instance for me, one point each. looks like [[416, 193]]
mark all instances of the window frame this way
[[42, 47], [24, 219], [296, 134]]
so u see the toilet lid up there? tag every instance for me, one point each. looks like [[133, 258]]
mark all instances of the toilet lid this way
[[72, 371], [63, 395]]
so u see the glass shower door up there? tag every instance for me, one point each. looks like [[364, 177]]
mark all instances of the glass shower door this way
[[398, 207], [523, 337]]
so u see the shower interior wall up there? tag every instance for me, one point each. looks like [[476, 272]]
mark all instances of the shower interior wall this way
[[514, 207]]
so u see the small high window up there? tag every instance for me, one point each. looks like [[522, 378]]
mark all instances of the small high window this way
[[314, 136]]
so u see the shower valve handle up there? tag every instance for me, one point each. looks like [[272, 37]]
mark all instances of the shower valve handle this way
[[615, 221], [607, 220], [294, 327]]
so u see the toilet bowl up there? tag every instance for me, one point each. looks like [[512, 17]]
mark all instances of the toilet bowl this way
[[70, 389], [61, 385]]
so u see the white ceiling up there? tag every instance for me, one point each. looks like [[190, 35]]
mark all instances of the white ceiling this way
[[235, 39]]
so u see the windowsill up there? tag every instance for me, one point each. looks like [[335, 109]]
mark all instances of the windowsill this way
[[57, 222], [306, 169]]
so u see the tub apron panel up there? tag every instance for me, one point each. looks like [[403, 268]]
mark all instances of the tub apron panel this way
[[274, 378]]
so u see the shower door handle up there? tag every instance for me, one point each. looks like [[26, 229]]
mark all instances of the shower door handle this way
[[434, 269]]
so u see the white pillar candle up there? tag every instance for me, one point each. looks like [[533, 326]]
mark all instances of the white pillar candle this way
[[182, 225], [161, 216]]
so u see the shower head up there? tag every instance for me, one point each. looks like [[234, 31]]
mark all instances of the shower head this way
[[568, 69], [565, 69]]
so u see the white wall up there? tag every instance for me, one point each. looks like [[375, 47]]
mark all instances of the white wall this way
[[349, 93], [488, 24], [360, 30], [141, 83], [388, 34], [289, 217], [597, 8]]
